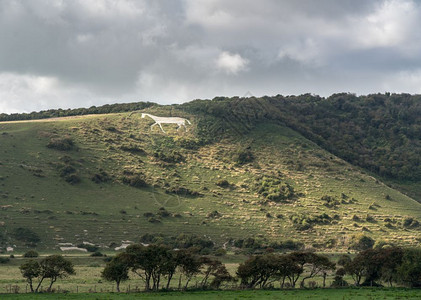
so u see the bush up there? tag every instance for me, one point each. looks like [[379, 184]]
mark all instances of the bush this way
[[223, 183], [244, 156], [72, 178], [214, 214], [183, 191], [220, 252], [61, 143], [4, 260], [274, 190], [136, 181], [168, 156], [102, 176], [97, 254], [26, 235], [31, 253], [410, 223], [361, 243], [133, 149], [90, 248], [330, 201]]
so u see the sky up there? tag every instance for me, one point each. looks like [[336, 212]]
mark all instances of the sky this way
[[79, 53]]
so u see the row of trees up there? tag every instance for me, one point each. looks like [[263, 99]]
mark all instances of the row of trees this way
[[154, 264], [54, 113], [157, 265], [52, 267], [372, 267], [389, 265]]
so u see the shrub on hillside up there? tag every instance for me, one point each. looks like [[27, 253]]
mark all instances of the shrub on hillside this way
[[102, 176], [410, 223], [244, 156], [168, 155], [26, 235], [330, 201], [136, 180], [90, 248], [361, 242], [31, 253], [223, 183], [274, 189], [61, 143]]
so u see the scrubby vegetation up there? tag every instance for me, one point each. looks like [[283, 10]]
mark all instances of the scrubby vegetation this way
[[273, 189]]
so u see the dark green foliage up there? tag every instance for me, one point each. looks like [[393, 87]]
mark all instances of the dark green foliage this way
[[182, 191], [26, 235], [168, 156], [304, 222], [244, 156], [183, 241], [372, 265], [154, 220], [54, 113], [31, 253], [135, 180], [117, 270], [223, 183], [162, 212], [262, 244], [135, 149], [189, 143], [90, 248], [274, 189], [97, 254], [100, 177], [409, 272], [72, 178], [4, 260], [52, 267], [330, 201], [67, 171], [30, 271], [410, 223], [361, 242], [61, 143], [378, 132], [214, 214]]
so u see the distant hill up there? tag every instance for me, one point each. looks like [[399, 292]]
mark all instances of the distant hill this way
[[247, 167]]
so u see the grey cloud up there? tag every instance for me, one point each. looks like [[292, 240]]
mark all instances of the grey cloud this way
[[78, 53]]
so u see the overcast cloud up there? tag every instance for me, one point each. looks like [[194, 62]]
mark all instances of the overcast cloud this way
[[78, 53]]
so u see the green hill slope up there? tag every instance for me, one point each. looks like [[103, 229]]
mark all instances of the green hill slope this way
[[105, 179]]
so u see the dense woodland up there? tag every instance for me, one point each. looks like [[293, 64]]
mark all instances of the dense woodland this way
[[379, 132]]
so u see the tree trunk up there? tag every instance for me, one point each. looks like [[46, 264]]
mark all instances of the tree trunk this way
[[179, 282], [169, 280], [324, 279], [51, 284], [148, 282], [187, 283], [30, 285], [39, 284], [117, 286], [302, 281]]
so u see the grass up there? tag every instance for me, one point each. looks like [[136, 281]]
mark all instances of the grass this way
[[33, 195], [349, 293]]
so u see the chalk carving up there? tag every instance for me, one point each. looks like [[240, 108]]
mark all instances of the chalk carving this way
[[167, 120]]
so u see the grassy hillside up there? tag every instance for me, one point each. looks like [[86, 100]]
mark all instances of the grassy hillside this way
[[105, 179]]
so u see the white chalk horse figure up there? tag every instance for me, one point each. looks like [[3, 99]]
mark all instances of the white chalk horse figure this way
[[167, 120]]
